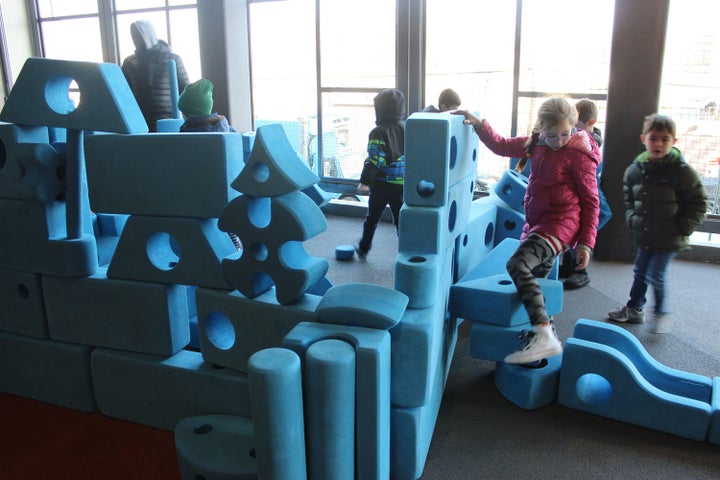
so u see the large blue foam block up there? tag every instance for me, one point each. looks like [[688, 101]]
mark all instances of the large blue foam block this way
[[160, 391], [362, 305], [477, 240], [23, 307], [529, 387]]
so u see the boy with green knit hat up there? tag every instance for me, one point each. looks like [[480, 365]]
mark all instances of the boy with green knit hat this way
[[196, 104]]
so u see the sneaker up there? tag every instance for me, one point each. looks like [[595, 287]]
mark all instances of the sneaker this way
[[627, 314], [577, 279], [541, 342], [360, 252], [662, 323]]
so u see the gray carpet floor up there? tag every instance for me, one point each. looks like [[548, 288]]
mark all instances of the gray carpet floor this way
[[481, 435]]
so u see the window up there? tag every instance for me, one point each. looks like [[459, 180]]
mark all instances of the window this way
[[70, 30]]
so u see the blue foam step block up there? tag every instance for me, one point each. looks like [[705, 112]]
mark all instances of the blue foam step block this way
[[477, 240], [599, 379], [46, 370], [511, 189], [529, 387], [362, 305], [160, 391], [177, 175], [492, 342], [232, 327], [216, 447], [173, 250], [119, 314], [714, 430], [372, 389], [21, 296]]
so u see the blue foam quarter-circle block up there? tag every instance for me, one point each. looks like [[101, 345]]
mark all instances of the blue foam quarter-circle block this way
[[529, 387], [344, 252], [362, 305]]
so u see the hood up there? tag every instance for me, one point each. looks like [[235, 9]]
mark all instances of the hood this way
[[143, 35], [389, 106]]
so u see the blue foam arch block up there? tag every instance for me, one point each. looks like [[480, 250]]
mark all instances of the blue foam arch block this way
[[491, 342], [21, 296], [599, 379], [173, 250], [477, 240], [46, 370], [667, 379], [362, 305], [160, 391], [179, 175], [511, 189], [94, 311], [40, 97], [232, 327], [275, 376], [216, 447], [440, 151], [529, 387], [329, 376], [273, 168], [714, 430], [372, 389]]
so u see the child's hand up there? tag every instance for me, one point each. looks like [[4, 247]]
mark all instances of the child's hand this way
[[470, 119], [363, 189], [583, 257]]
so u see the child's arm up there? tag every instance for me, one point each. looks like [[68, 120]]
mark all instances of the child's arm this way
[[499, 145], [584, 169], [375, 159], [692, 202]]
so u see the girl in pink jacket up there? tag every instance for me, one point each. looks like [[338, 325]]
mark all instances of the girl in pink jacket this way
[[561, 210]]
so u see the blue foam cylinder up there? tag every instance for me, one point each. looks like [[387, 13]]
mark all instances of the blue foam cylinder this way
[[330, 373], [277, 410]]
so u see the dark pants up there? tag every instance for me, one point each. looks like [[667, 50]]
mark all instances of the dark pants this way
[[650, 269], [381, 194]]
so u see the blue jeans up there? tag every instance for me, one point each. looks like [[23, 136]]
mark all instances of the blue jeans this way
[[650, 269]]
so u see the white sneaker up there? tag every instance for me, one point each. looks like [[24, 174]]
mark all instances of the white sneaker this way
[[541, 342], [663, 322]]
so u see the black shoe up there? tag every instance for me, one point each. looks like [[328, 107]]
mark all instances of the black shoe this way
[[577, 279], [362, 254]]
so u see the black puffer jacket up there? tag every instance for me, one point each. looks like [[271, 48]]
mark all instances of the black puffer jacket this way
[[147, 73], [665, 201]]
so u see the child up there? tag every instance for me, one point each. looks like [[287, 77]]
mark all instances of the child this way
[[587, 116], [665, 201], [448, 100], [196, 103], [383, 173], [561, 210]]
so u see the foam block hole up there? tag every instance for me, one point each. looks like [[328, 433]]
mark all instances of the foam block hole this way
[[163, 251], [57, 94], [261, 172], [453, 152], [203, 429], [23, 291], [259, 211], [417, 259], [504, 282], [259, 251], [593, 389], [452, 216], [219, 330], [489, 234]]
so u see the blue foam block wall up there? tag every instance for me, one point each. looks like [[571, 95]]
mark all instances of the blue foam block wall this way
[[21, 296], [160, 391], [178, 175], [232, 327], [362, 305], [119, 314], [529, 387], [511, 189], [492, 342], [46, 370], [477, 240]]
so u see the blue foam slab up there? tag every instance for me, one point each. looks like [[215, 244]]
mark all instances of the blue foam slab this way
[[32, 172], [511, 189], [418, 276], [372, 389], [169, 125], [21, 296], [186, 251], [329, 379], [362, 305], [491, 342], [529, 387], [35, 240], [177, 175], [216, 447], [273, 168], [160, 391], [439, 152], [232, 327], [344, 252], [119, 314], [495, 300], [714, 430], [272, 232], [275, 377], [667, 379], [40, 97], [599, 379], [477, 239], [46, 370]]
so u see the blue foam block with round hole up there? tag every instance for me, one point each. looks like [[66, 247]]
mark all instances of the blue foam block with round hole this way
[[21, 295], [362, 305], [511, 189], [529, 387], [477, 239]]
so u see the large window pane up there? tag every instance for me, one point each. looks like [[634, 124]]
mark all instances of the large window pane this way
[[62, 8], [124, 5], [186, 40], [73, 39]]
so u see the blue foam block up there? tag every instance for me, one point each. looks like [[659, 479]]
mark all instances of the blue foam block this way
[[599, 379], [169, 125], [714, 430], [272, 232], [32, 172], [160, 391], [318, 195], [106, 246], [186, 251], [511, 189], [178, 175], [232, 327], [329, 378], [111, 224], [477, 239], [23, 307], [372, 389], [423, 229], [216, 447], [248, 139], [440, 151], [46, 370], [344, 252], [273, 168], [667, 379], [529, 387], [40, 97], [491, 342], [276, 390], [362, 305], [509, 223], [418, 277], [494, 262], [119, 314]]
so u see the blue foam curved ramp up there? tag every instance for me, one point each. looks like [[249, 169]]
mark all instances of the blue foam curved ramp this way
[[362, 305]]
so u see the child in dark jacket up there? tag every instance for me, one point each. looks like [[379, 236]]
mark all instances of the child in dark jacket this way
[[665, 201], [196, 104], [384, 169]]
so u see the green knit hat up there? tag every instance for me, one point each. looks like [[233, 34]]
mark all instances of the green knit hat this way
[[196, 98]]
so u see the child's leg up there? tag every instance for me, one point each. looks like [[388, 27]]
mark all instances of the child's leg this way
[[376, 205], [396, 203], [640, 285], [657, 269]]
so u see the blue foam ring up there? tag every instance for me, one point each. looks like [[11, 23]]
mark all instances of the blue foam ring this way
[[344, 252], [529, 387]]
